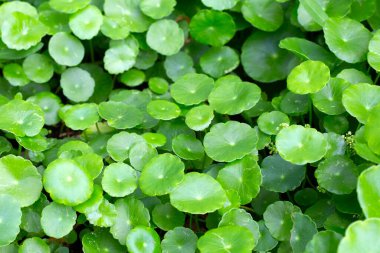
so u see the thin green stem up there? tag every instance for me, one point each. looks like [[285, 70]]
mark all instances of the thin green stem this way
[[19, 151], [97, 128], [247, 208], [310, 112]]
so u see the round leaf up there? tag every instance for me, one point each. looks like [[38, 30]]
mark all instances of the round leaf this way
[[10, 217], [57, 220], [337, 174], [280, 175], [300, 145], [347, 39], [230, 141], [308, 77], [166, 217], [163, 109], [20, 179], [227, 239], [67, 182], [65, 49], [212, 27], [233, 97], [374, 51], [368, 193], [226, 57], [120, 115], [266, 15], [179, 240], [157, 8], [119, 179], [191, 89], [86, 23], [143, 240], [359, 99], [34, 244], [187, 147], [82, 116], [198, 194], [271, 122], [165, 37], [324, 241], [38, 68], [119, 144], [357, 236], [220, 4], [77, 84], [161, 175], [199, 118], [68, 6]]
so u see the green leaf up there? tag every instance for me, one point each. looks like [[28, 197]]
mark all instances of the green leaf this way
[[115, 27], [119, 145], [86, 23], [119, 180], [368, 193], [329, 99], [100, 240], [347, 39], [230, 141], [67, 182], [199, 117], [158, 85], [50, 104], [240, 217], [212, 27], [233, 97], [300, 145], [38, 68], [131, 212], [178, 65], [120, 115], [121, 55], [163, 109], [36, 143], [21, 31], [15, 74], [198, 194], [280, 175], [81, 116], [220, 4], [243, 176], [58, 220], [357, 236], [66, 49], [188, 147], [10, 216], [77, 84], [67, 6], [132, 77], [191, 88], [165, 37], [315, 10], [104, 215], [166, 217], [308, 50], [337, 174], [226, 239], [143, 240], [373, 55], [266, 241], [308, 77], [359, 99], [278, 219], [271, 122], [263, 60], [34, 244], [161, 175], [20, 179], [140, 154], [129, 10], [157, 9], [302, 232], [226, 57], [266, 15], [324, 241], [179, 240]]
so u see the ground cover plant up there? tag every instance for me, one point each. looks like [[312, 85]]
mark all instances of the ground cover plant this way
[[189, 126]]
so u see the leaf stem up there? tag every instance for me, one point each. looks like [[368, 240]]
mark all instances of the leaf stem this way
[[19, 151], [310, 112], [97, 128], [247, 208]]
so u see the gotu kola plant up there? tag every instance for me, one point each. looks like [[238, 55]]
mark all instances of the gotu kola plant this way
[[189, 126]]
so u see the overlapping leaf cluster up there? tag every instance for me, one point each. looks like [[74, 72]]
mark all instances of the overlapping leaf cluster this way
[[189, 126]]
